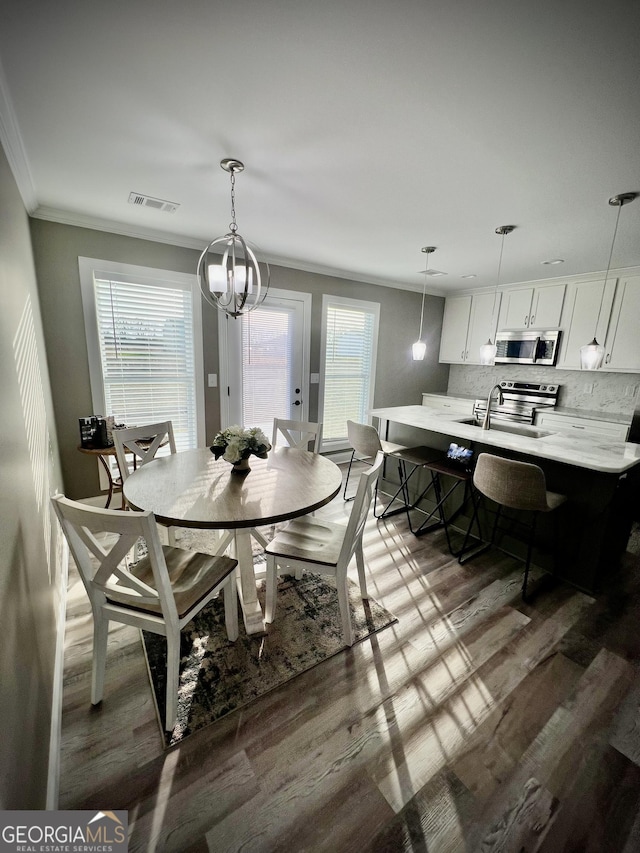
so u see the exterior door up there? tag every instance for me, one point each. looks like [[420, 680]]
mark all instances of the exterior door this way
[[266, 355]]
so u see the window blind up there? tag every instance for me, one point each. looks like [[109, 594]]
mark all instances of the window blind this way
[[267, 353], [145, 336], [348, 367]]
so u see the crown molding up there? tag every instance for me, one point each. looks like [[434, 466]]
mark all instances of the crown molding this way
[[66, 217], [13, 145]]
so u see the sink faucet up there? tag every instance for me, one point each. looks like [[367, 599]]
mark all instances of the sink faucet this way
[[486, 423]]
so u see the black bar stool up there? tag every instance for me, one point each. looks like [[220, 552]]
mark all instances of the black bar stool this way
[[438, 464]]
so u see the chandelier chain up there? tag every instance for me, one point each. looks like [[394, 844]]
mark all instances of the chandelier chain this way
[[232, 225]]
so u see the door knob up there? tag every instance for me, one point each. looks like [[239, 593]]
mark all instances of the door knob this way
[[296, 403]]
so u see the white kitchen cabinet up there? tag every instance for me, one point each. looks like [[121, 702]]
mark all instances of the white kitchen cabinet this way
[[557, 422], [622, 347], [532, 307], [587, 303], [468, 322]]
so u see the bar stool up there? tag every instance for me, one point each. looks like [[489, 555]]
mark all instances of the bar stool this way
[[366, 442], [438, 464], [514, 485]]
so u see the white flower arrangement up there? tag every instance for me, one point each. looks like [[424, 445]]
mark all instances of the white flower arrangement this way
[[235, 444]]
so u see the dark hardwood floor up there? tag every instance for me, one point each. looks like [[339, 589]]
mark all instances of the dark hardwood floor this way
[[476, 723]]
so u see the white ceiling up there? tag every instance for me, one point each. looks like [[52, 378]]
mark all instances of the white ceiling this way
[[368, 129]]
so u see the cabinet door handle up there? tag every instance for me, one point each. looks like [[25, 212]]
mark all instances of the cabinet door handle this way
[[526, 319], [462, 355], [575, 426], [466, 355], [532, 319], [608, 358]]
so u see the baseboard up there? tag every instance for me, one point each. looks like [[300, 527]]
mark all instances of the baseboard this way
[[55, 736]]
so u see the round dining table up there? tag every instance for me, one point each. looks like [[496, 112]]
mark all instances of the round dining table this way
[[193, 489]]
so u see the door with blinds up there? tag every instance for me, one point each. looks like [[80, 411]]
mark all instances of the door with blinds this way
[[267, 363]]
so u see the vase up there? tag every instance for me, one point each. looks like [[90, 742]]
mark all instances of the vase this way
[[241, 467]]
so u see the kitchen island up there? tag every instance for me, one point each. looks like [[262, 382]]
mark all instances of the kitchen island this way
[[600, 478]]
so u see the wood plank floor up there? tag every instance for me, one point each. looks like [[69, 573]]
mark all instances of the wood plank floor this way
[[476, 723]]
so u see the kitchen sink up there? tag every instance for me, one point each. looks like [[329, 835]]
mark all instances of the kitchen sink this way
[[515, 429]]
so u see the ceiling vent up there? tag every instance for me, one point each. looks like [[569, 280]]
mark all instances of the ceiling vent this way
[[432, 272], [156, 203]]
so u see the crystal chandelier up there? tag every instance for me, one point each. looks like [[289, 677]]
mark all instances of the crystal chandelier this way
[[232, 283]]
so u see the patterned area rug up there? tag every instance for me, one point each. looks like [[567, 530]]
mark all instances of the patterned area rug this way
[[217, 677]]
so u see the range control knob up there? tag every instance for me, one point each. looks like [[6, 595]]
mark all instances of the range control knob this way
[[543, 388]]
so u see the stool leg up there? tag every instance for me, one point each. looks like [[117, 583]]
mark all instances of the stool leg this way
[[476, 500], [528, 562], [346, 482]]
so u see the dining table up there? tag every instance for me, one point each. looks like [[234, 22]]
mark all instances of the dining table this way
[[192, 489]]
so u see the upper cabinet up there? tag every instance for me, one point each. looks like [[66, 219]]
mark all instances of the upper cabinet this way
[[468, 322], [587, 304], [532, 307], [622, 347]]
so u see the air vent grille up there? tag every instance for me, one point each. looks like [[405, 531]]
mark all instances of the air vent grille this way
[[157, 203], [432, 272]]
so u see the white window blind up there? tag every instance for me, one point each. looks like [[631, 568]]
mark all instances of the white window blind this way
[[267, 353], [144, 336], [349, 355]]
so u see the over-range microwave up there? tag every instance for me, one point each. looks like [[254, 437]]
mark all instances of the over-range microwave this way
[[527, 347]]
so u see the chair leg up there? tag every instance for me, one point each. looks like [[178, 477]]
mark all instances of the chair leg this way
[[343, 601], [231, 607], [100, 638], [361, 571], [527, 565], [271, 589], [173, 671]]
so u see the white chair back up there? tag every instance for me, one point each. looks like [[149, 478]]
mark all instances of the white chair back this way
[[104, 564], [143, 441], [297, 433], [363, 438], [359, 512]]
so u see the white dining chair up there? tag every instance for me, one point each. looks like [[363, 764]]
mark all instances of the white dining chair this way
[[297, 433], [324, 547], [143, 442], [160, 593]]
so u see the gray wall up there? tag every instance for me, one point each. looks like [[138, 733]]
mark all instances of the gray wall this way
[[31, 573], [608, 394], [57, 248]]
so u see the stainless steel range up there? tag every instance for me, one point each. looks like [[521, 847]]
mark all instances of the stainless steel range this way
[[521, 399]]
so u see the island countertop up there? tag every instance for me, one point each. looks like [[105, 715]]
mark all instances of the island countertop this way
[[584, 451]]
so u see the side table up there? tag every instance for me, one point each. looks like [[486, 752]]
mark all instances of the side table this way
[[101, 453]]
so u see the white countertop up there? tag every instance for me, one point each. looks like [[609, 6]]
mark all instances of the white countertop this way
[[583, 451]]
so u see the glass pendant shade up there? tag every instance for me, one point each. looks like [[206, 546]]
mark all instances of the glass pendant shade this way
[[419, 350], [488, 353], [591, 356]]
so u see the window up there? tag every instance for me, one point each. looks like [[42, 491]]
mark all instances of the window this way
[[144, 339], [348, 364]]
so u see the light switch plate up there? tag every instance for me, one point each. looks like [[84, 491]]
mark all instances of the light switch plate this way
[[314, 378], [213, 380]]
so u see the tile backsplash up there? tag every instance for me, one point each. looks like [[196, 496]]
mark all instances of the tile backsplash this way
[[596, 391]]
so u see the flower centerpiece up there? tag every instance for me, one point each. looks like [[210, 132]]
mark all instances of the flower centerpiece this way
[[236, 445]]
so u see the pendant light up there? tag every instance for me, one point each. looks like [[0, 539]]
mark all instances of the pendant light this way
[[488, 350], [419, 349], [234, 283], [591, 355]]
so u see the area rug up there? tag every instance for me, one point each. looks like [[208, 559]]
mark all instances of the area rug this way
[[218, 677]]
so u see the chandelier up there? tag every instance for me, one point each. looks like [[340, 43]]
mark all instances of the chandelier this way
[[228, 271]]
